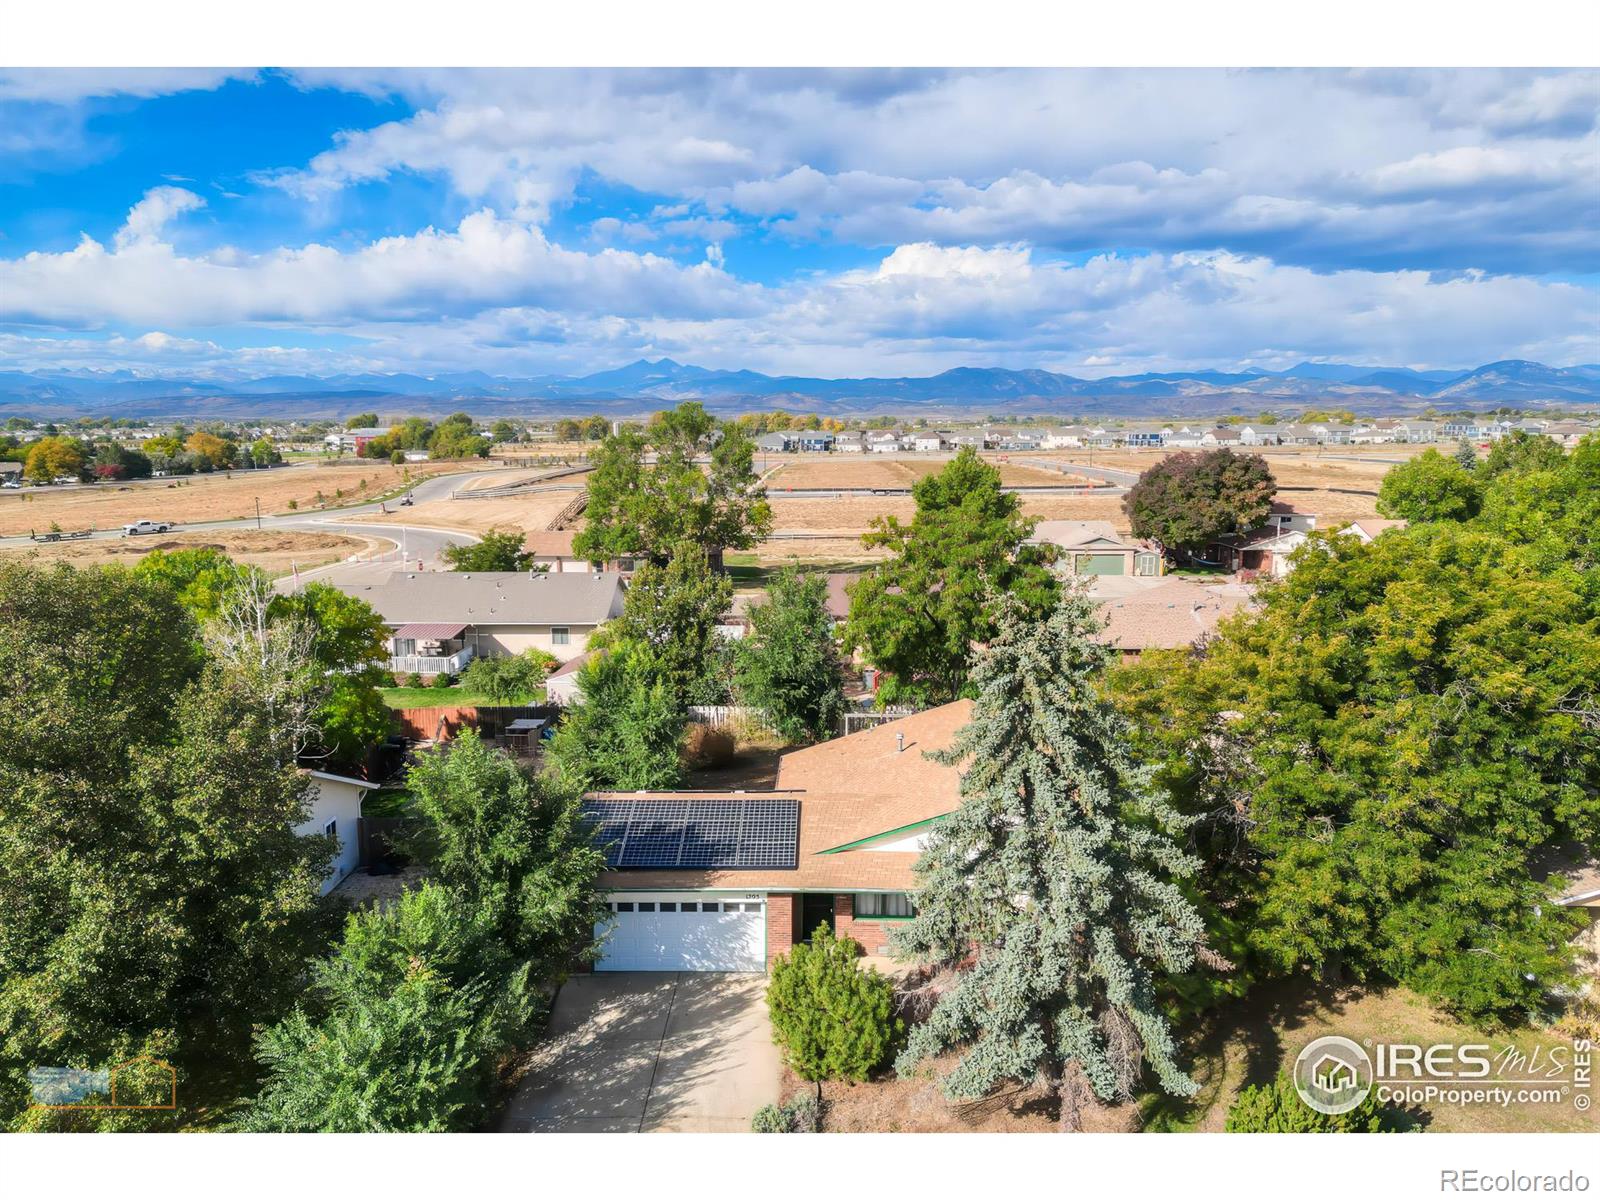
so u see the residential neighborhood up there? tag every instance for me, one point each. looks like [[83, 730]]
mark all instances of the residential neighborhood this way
[[654, 602]]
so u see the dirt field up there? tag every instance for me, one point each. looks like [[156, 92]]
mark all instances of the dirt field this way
[[273, 551], [194, 498], [530, 513], [883, 471]]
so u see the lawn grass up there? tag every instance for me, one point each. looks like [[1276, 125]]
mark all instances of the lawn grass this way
[[388, 802], [1253, 1040], [431, 697]]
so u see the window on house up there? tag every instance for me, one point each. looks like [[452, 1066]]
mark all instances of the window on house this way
[[647, 907], [331, 829], [884, 904], [560, 635], [668, 906], [625, 906]]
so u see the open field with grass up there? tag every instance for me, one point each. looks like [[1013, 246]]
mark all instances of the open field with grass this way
[[274, 551], [217, 497]]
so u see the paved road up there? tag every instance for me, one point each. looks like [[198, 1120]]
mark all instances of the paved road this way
[[417, 542]]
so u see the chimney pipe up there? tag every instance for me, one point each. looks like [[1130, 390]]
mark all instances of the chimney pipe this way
[[899, 742]]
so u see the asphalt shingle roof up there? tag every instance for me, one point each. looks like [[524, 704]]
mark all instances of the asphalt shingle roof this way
[[494, 597]]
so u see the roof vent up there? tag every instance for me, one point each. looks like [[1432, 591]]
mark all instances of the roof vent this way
[[899, 742]]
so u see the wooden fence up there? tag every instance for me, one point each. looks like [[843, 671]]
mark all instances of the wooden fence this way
[[855, 722], [443, 722]]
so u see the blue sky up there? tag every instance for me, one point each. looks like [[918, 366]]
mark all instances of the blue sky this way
[[221, 223]]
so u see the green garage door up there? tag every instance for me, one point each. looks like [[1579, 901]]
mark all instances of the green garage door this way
[[1100, 564]]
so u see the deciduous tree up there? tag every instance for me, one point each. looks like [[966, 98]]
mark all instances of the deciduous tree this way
[[649, 507], [1192, 498], [787, 665], [920, 614], [1430, 487]]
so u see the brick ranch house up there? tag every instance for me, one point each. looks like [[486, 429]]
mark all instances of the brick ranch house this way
[[728, 881]]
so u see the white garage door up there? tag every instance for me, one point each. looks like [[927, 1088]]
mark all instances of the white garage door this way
[[655, 931]]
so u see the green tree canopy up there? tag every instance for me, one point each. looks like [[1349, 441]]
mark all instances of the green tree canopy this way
[[1192, 498], [1520, 451], [627, 730], [403, 1027], [919, 615], [1430, 487], [513, 845], [1061, 866], [152, 888], [363, 420], [1382, 753], [670, 613], [649, 507], [788, 665], [495, 550], [52, 458]]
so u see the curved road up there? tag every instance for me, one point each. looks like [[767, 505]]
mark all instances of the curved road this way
[[417, 542]]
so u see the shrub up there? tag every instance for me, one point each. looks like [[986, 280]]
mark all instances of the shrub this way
[[443, 681], [832, 1019], [413, 680], [708, 746], [800, 1115], [1277, 1108]]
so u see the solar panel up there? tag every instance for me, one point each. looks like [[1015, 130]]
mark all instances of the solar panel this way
[[733, 834]]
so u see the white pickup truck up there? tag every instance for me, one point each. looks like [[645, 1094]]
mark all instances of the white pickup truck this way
[[139, 527]]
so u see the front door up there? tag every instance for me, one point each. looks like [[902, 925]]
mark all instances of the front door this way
[[815, 910]]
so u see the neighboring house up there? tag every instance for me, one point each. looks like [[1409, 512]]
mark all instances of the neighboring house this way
[[561, 685], [1333, 435], [354, 439], [1260, 435], [1137, 438], [720, 881], [10, 471], [814, 440], [850, 443], [1064, 439], [1368, 528], [552, 550], [1299, 435], [888, 442], [336, 811], [775, 443], [1417, 431], [476, 614], [838, 602], [1283, 516], [976, 440], [1184, 439], [928, 441], [1095, 548], [1171, 615], [1568, 433], [1221, 436]]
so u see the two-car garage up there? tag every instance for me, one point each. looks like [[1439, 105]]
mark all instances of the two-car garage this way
[[685, 931]]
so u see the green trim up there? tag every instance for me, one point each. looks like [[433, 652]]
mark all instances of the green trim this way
[[854, 916], [878, 837]]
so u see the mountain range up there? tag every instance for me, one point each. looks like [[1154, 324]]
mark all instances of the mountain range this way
[[645, 384]]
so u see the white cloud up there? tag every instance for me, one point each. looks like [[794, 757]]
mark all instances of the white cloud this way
[[148, 218]]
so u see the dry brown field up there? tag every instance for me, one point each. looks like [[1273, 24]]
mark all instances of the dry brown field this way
[[531, 512], [858, 471], [196, 498], [274, 551]]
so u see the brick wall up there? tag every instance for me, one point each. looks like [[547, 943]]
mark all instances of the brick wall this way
[[783, 912], [873, 935]]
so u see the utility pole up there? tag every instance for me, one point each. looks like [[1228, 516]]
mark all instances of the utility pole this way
[[258, 513]]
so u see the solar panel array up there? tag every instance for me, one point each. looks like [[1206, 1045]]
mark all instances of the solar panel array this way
[[733, 834]]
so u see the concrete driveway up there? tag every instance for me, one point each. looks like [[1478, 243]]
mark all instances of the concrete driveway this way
[[650, 1052]]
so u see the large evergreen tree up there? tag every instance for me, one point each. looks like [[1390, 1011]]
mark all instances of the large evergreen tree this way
[[920, 614], [1060, 867]]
